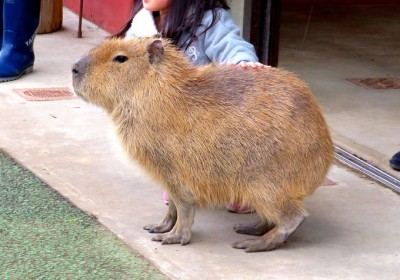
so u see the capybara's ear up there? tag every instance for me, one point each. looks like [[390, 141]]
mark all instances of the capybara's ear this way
[[155, 51]]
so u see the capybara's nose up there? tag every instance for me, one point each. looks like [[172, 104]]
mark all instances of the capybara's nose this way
[[80, 66]]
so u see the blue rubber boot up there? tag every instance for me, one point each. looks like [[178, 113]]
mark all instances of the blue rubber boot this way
[[395, 161], [1, 23], [20, 22]]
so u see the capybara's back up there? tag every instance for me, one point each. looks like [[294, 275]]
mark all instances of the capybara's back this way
[[212, 135]]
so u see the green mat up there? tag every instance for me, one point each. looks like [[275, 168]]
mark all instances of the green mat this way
[[43, 236]]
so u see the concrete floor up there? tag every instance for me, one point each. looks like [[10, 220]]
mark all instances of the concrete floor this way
[[352, 231], [325, 45]]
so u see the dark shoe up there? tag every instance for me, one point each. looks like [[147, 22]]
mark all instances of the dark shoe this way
[[20, 22], [395, 161]]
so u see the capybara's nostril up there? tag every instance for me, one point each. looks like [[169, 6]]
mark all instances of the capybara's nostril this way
[[80, 66], [75, 70]]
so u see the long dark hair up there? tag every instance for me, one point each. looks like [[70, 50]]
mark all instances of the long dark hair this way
[[184, 16]]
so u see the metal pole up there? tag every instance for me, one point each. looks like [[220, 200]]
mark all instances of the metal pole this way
[[80, 19]]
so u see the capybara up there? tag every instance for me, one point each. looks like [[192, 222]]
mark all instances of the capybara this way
[[212, 135]]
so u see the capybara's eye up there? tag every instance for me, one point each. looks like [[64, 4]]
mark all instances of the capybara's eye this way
[[120, 58]]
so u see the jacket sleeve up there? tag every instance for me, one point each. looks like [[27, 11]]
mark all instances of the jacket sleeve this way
[[222, 43], [142, 25]]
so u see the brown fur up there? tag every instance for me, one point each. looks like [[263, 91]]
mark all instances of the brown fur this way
[[212, 135]]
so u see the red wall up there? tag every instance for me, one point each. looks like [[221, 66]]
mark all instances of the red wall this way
[[341, 2], [110, 15]]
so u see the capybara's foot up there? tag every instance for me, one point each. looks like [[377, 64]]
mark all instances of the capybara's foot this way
[[258, 228], [164, 226], [174, 237], [167, 224], [181, 232], [274, 238], [256, 245]]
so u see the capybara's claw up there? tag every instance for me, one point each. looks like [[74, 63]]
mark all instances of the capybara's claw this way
[[256, 245], [173, 238], [159, 228], [167, 224]]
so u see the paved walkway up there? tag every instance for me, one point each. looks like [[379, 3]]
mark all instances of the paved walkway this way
[[353, 230]]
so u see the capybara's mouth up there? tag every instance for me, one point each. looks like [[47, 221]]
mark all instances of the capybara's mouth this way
[[80, 95], [76, 85]]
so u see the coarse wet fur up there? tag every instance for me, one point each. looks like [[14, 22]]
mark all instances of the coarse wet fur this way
[[212, 135]]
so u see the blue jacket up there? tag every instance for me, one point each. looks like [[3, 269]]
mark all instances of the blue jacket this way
[[221, 44]]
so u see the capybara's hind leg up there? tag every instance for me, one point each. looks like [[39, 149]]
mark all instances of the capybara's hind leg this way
[[168, 223], [257, 228], [181, 232], [276, 236]]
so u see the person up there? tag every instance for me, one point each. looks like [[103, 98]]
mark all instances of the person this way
[[203, 29], [19, 20], [395, 161]]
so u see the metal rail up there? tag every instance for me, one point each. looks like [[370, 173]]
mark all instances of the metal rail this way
[[367, 169]]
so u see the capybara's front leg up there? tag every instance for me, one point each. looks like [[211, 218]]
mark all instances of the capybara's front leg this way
[[181, 232], [168, 223], [276, 237]]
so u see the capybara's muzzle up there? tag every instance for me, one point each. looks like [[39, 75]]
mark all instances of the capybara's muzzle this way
[[79, 70], [80, 67]]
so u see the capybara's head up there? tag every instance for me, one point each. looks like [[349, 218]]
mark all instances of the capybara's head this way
[[117, 69]]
